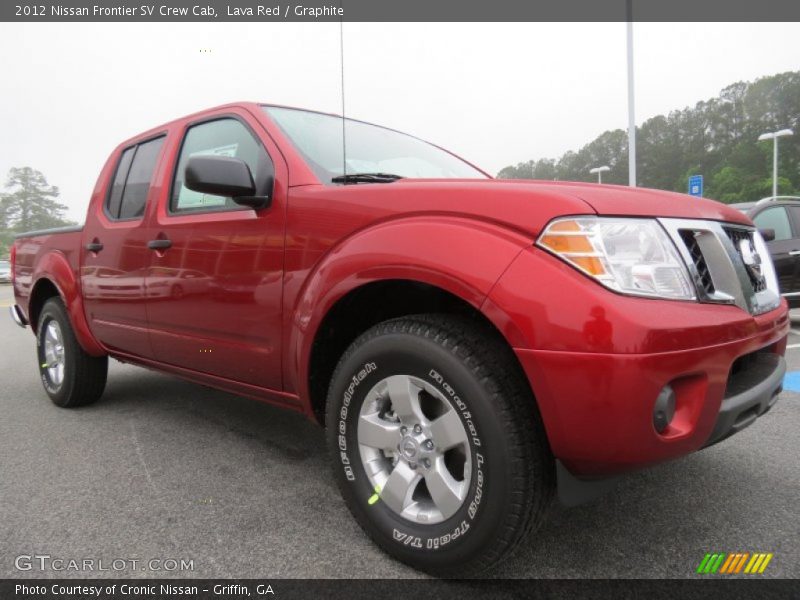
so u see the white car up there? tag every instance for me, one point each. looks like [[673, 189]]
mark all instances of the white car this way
[[5, 271]]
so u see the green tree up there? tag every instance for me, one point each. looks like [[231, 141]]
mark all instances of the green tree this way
[[540, 169], [30, 202], [6, 235], [716, 138], [6, 239], [728, 185]]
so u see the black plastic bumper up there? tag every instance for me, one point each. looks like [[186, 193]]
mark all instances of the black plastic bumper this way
[[751, 392]]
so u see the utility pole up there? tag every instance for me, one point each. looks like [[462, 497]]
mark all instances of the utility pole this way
[[631, 112]]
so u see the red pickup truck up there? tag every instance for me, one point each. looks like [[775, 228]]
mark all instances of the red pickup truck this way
[[472, 346]]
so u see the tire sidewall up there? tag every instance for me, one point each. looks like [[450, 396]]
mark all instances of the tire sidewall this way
[[54, 311], [480, 516]]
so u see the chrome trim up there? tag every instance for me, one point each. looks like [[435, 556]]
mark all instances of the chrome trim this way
[[788, 294], [732, 284], [16, 316], [769, 298]]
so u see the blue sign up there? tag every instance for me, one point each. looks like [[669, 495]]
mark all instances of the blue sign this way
[[696, 185]]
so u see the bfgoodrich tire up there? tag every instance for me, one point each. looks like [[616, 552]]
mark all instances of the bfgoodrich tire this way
[[69, 375], [437, 444]]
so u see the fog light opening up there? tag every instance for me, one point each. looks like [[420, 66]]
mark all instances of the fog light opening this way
[[664, 409]]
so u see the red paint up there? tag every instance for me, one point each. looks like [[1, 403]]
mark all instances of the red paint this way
[[598, 406], [238, 299], [53, 259]]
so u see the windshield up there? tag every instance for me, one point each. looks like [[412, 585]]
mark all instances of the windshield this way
[[370, 149]]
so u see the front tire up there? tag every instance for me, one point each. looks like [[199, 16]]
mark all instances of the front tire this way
[[437, 445], [70, 376]]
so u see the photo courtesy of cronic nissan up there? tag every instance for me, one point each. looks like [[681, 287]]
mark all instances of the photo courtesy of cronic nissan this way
[[422, 359]]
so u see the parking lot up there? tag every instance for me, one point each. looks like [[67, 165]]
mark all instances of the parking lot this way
[[164, 469]]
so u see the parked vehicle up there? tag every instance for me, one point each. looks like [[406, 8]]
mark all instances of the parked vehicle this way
[[5, 271], [779, 216], [472, 346]]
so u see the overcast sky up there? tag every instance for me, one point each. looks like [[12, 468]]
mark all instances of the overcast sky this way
[[497, 94]]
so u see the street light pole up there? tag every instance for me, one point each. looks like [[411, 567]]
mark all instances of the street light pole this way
[[775, 166], [631, 117], [774, 137], [599, 171]]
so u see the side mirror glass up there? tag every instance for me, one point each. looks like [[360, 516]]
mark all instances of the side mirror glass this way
[[223, 176]]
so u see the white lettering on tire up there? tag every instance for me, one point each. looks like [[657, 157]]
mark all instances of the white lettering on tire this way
[[346, 399]]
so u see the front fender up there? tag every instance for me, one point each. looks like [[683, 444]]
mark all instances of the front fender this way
[[55, 268], [462, 256]]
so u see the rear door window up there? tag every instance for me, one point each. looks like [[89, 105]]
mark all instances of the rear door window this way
[[132, 180], [115, 197]]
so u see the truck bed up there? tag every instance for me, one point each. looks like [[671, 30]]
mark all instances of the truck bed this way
[[32, 246]]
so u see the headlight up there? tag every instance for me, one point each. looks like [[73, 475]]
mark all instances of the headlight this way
[[632, 256]]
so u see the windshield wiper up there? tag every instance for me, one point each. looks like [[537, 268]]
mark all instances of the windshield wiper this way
[[366, 178]]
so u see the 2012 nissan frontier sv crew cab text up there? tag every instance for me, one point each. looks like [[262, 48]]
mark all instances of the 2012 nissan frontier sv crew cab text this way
[[473, 347]]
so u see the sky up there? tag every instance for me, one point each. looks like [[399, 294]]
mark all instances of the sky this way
[[496, 94]]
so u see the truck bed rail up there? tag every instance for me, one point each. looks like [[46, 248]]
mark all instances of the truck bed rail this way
[[67, 229]]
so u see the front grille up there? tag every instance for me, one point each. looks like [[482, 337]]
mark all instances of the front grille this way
[[737, 236], [703, 274], [728, 263]]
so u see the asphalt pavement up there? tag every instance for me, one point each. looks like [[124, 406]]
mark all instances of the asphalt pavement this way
[[161, 469]]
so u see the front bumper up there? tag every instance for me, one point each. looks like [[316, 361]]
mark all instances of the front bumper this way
[[596, 362], [598, 408]]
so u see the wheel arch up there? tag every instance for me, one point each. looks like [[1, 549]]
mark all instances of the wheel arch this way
[[369, 304], [42, 291], [56, 278], [463, 256]]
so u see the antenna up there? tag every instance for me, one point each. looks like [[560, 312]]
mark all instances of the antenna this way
[[341, 59]]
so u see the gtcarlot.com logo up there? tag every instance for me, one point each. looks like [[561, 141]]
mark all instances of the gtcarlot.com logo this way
[[723, 563], [45, 562]]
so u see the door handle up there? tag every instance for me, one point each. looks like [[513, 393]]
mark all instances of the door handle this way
[[794, 253], [94, 246], [159, 244]]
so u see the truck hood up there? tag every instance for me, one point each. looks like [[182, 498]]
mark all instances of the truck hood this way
[[528, 205], [644, 202], [524, 206]]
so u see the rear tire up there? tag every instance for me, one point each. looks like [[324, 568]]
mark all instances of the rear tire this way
[[70, 376], [398, 382]]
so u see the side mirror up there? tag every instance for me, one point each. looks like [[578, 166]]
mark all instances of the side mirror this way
[[767, 234], [223, 176]]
